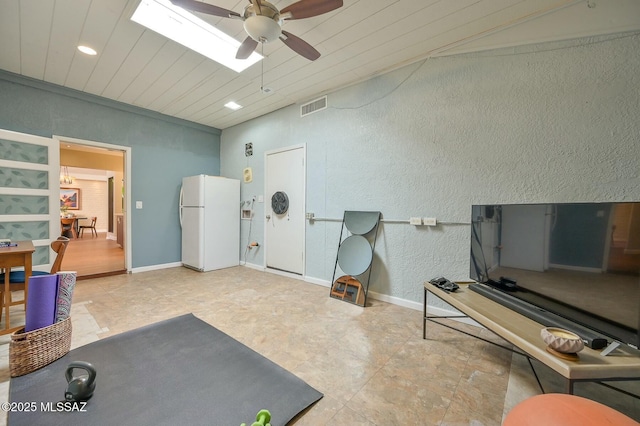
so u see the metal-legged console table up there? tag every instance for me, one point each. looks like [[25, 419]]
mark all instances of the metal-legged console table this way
[[524, 334]]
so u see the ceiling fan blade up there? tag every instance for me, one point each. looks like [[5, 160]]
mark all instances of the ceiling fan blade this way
[[308, 8], [299, 46], [198, 6], [246, 48]]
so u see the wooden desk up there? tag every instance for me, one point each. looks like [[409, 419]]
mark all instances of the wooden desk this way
[[524, 333], [21, 255]]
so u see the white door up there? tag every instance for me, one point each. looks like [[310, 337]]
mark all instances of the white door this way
[[285, 209]]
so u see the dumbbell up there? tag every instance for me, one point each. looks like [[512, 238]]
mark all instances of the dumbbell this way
[[262, 419]]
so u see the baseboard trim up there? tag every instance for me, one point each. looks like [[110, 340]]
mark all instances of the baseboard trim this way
[[155, 267], [441, 312], [318, 281], [253, 266], [396, 301]]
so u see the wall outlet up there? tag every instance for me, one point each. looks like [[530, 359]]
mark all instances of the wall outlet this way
[[430, 221], [415, 221], [138, 204], [309, 216]]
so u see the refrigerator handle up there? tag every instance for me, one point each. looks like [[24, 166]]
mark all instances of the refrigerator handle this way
[[180, 206]]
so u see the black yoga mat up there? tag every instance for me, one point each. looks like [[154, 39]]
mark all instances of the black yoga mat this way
[[178, 371]]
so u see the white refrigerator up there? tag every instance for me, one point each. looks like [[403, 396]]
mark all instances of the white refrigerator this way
[[210, 220]]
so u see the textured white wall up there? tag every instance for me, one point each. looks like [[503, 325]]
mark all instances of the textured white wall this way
[[545, 123]]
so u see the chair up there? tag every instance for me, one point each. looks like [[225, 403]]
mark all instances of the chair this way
[[16, 278], [92, 226], [68, 228]]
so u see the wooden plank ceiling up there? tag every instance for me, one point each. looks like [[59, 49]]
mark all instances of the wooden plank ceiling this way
[[364, 38]]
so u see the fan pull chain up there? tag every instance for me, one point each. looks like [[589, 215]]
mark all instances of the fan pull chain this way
[[262, 65]]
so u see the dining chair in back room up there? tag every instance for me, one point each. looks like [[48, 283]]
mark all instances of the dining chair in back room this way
[[67, 228], [91, 226]]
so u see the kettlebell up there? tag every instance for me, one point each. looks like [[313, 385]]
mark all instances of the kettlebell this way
[[80, 388]]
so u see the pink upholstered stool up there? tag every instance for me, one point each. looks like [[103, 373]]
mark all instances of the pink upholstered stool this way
[[557, 409]]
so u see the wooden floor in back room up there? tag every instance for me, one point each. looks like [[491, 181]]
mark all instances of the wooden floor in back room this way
[[92, 256]]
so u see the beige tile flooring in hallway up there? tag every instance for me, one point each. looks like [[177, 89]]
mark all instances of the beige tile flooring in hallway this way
[[371, 363]]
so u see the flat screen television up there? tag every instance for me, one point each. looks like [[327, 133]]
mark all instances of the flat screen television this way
[[580, 261]]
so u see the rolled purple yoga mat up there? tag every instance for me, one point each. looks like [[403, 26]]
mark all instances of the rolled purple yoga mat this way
[[66, 285], [41, 302]]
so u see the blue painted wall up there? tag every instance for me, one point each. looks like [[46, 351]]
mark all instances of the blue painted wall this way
[[163, 150]]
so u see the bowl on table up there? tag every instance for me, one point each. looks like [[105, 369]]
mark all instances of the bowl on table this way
[[561, 341]]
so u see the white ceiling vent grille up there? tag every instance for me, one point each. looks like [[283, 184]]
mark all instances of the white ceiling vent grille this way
[[313, 106]]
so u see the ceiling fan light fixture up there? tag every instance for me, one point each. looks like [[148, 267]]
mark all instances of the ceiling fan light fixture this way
[[263, 22], [262, 29]]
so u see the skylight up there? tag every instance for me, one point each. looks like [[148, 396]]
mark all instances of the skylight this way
[[185, 28], [232, 105]]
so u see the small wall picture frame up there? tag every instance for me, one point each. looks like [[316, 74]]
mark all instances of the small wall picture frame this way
[[70, 198]]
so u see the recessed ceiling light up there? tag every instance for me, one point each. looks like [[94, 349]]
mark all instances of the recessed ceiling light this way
[[87, 50], [190, 31], [232, 105]]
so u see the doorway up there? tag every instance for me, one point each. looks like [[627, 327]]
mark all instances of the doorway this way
[[285, 182], [97, 169]]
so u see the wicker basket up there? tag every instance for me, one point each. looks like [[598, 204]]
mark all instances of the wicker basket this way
[[35, 349]]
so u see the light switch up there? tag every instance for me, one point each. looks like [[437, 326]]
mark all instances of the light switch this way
[[260, 199], [138, 204]]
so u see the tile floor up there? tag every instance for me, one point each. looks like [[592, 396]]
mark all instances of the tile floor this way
[[371, 363]]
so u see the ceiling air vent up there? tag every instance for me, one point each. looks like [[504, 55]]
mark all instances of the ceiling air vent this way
[[313, 106]]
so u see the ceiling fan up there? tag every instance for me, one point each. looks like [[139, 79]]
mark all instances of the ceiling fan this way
[[263, 22]]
